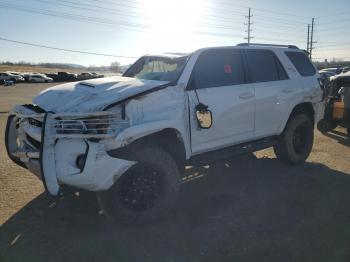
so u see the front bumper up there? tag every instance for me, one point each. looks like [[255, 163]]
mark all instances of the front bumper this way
[[53, 157]]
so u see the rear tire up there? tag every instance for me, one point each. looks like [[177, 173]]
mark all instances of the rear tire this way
[[145, 192], [295, 144]]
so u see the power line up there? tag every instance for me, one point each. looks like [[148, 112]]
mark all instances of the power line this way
[[226, 14], [121, 24], [279, 39], [335, 44], [108, 22], [277, 30], [334, 21], [288, 26], [222, 4], [269, 23], [63, 49], [281, 20], [332, 15], [128, 13]]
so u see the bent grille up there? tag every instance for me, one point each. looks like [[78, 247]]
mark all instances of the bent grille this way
[[99, 125], [32, 141]]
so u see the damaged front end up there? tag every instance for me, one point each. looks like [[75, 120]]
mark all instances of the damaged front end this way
[[66, 148]]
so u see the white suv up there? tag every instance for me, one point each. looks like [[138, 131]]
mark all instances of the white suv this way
[[129, 138]]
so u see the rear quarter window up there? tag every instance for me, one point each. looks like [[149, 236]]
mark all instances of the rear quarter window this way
[[302, 63]]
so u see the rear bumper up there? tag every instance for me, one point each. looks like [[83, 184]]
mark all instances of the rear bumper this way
[[53, 159]]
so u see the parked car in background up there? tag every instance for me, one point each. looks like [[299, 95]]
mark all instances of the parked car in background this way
[[26, 76], [14, 73], [12, 77], [96, 75], [335, 70], [66, 76], [54, 76], [39, 78], [85, 76], [326, 74], [346, 69], [325, 81]]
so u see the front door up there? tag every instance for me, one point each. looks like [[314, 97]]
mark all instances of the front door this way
[[218, 81]]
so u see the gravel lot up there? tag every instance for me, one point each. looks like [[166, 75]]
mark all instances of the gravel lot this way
[[250, 208]]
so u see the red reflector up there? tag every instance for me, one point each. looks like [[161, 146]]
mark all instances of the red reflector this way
[[228, 69]]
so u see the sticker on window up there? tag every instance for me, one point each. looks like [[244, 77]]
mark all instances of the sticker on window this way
[[227, 69]]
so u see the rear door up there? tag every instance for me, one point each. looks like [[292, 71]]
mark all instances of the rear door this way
[[220, 82], [272, 90]]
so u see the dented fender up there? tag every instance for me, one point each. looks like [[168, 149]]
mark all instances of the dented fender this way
[[134, 133]]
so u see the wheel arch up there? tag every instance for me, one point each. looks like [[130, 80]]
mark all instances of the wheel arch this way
[[170, 139], [305, 108]]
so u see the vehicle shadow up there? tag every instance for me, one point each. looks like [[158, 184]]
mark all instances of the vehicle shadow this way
[[342, 138], [242, 209]]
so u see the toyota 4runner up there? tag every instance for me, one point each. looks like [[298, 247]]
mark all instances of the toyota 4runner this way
[[129, 137]]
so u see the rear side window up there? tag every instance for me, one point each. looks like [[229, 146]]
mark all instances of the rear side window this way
[[301, 63], [219, 67], [264, 66]]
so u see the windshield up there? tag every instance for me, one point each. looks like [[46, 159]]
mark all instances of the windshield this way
[[157, 68]]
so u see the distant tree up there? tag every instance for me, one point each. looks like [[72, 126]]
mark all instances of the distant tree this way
[[115, 67]]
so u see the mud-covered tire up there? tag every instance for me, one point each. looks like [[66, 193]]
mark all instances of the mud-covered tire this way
[[325, 126], [147, 191], [295, 143]]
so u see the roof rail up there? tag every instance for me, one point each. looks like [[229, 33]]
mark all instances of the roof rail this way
[[256, 44]]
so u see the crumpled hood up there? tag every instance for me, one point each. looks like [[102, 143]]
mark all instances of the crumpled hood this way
[[92, 95]]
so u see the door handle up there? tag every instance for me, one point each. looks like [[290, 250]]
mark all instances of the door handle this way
[[246, 95]]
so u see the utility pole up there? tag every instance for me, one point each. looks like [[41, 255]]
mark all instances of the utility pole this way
[[308, 41], [312, 37], [249, 37]]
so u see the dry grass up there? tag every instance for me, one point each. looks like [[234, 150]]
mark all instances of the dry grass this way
[[44, 70]]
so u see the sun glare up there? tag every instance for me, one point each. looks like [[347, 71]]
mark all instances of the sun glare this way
[[174, 21]]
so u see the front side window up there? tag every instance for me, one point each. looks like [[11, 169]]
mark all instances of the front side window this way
[[219, 67], [302, 63], [157, 68], [264, 66]]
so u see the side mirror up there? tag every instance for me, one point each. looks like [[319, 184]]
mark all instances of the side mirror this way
[[204, 116]]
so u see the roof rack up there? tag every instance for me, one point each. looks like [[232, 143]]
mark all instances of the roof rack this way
[[255, 44]]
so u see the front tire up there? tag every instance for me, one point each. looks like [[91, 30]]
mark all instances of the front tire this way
[[146, 191], [295, 144]]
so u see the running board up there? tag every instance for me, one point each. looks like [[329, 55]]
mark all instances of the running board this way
[[229, 152]]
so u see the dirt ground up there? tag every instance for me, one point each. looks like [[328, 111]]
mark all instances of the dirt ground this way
[[251, 208], [21, 93]]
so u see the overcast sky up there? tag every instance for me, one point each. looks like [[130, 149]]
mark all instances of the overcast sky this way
[[135, 27]]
